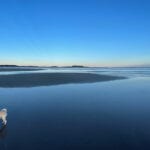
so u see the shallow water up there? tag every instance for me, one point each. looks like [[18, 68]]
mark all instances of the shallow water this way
[[127, 72], [113, 115]]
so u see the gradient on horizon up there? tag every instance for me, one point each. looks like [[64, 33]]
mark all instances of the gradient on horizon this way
[[76, 32]]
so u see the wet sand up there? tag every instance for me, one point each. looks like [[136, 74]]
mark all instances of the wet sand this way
[[44, 79]]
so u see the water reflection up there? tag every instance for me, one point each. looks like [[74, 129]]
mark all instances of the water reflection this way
[[106, 115], [3, 133]]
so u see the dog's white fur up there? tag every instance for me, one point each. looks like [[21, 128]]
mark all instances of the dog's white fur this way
[[3, 115]]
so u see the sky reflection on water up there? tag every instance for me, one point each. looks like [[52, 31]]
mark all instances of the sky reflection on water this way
[[108, 115]]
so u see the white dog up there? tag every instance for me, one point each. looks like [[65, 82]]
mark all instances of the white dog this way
[[3, 115]]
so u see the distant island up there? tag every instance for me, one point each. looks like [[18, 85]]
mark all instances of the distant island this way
[[77, 66], [80, 66], [5, 68], [73, 66], [9, 66], [17, 66]]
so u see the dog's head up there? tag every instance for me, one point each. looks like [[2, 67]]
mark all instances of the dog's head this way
[[4, 110]]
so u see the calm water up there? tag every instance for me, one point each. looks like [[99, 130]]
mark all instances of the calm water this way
[[112, 115]]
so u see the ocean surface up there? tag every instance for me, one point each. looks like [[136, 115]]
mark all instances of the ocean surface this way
[[113, 115]]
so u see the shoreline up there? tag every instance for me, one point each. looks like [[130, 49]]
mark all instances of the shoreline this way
[[46, 79], [5, 69]]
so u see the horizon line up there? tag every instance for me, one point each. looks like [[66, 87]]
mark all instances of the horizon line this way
[[74, 66]]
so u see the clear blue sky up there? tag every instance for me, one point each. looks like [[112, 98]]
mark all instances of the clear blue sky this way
[[66, 32]]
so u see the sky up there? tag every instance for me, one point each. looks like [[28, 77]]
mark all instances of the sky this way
[[75, 32]]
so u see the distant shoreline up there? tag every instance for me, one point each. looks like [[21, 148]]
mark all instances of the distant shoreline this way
[[6, 69], [24, 68], [45, 79]]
